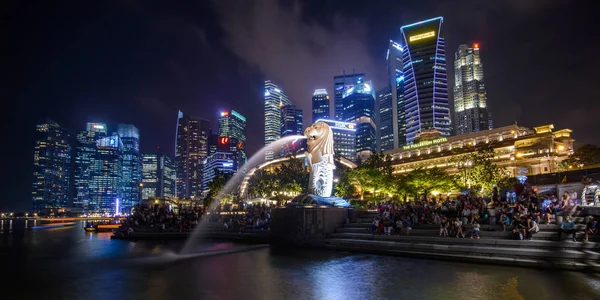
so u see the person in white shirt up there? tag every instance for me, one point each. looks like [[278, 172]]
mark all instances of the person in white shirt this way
[[475, 232], [458, 224]]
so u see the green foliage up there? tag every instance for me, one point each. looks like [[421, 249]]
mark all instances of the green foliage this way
[[215, 187], [374, 175], [424, 181], [586, 155], [478, 171], [291, 176]]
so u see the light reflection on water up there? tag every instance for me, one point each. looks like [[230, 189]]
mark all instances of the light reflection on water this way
[[72, 264]]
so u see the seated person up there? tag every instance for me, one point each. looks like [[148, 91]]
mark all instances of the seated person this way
[[567, 226], [505, 221], [591, 227]]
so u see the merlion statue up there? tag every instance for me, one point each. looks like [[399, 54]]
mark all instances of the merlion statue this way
[[320, 159]]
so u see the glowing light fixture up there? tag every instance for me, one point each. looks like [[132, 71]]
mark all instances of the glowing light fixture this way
[[421, 36]]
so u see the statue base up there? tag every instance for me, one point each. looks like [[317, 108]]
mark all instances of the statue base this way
[[311, 199]]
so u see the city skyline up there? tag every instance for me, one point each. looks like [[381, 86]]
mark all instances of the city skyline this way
[[156, 102]]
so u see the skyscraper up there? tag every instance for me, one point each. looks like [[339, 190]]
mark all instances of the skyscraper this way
[[85, 162], [105, 190], [51, 167], [340, 84], [320, 105], [233, 125], [131, 166], [386, 126], [470, 99], [275, 98], [159, 176], [190, 150], [395, 107], [425, 80], [292, 124], [359, 108]]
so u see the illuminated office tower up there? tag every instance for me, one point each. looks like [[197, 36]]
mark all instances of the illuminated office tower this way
[[471, 112], [131, 166], [105, 189], [51, 167], [158, 176], [292, 124], [359, 108], [275, 98], [191, 148], [386, 121], [320, 105], [396, 105], [85, 162], [233, 125], [341, 83], [426, 105]]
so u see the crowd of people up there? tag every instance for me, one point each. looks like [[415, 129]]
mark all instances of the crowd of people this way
[[253, 217], [462, 217]]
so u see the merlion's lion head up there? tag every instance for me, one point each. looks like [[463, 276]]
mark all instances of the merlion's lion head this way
[[319, 139]]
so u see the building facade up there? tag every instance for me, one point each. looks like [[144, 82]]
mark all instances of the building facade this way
[[131, 175], [425, 91], [359, 108], [219, 163], [320, 105], [233, 125], [275, 98], [341, 83], [344, 138], [191, 148], [386, 119], [522, 151], [159, 176], [105, 189], [396, 87], [51, 167], [292, 124], [85, 163], [471, 112]]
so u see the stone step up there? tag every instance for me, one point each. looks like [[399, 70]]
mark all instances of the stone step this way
[[543, 227], [470, 249], [539, 243]]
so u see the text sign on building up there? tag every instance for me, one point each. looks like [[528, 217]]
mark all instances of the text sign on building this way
[[421, 36], [425, 143]]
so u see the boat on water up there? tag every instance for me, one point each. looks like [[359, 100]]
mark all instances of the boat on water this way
[[102, 227], [52, 225]]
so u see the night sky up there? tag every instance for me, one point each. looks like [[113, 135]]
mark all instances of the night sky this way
[[139, 61]]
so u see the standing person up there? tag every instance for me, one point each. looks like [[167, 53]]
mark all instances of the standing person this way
[[475, 232], [591, 227], [567, 226], [458, 224]]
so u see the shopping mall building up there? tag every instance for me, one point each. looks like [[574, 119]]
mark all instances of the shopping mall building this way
[[520, 150]]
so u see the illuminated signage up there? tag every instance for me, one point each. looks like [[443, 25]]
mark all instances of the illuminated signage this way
[[425, 143], [422, 36], [224, 114], [339, 125], [223, 140], [96, 126], [227, 164]]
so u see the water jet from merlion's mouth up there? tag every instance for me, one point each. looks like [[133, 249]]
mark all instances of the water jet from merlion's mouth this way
[[232, 184]]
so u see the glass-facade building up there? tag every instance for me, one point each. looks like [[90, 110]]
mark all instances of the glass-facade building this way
[[105, 190], [386, 119], [292, 124], [51, 167], [221, 162], [233, 125], [396, 105], [275, 98], [191, 148], [158, 176], [131, 174], [85, 163], [426, 104], [359, 108], [471, 112], [341, 83], [320, 105], [344, 138]]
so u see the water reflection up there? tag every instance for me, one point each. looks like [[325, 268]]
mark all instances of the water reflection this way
[[72, 264]]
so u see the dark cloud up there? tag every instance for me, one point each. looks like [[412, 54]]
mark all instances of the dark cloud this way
[[302, 55]]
